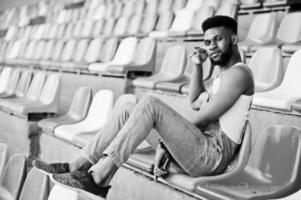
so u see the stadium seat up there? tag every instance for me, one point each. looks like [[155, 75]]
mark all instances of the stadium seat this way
[[93, 50], [147, 25], [228, 9], [57, 51], [182, 23], [118, 10], [97, 116], [134, 25], [48, 100], [32, 94], [99, 12], [87, 29], [47, 52], [123, 56], [41, 45], [250, 4], [172, 68], [3, 157], [69, 30], [282, 97], [98, 28], [61, 193], [77, 111], [164, 6], [261, 32], [139, 7], [129, 8], [151, 7], [289, 32], [268, 70], [108, 27], [194, 4], [178, 5], [15, 50], [4, 78], [83, 139], [121, 26], [143, 60], [35, 186], [164, 22], [14, 175], [68, 50], [78, 27], [265, 175], [145, 160], [202, 14], [12, 84]]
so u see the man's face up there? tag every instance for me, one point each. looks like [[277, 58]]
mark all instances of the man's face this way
[[218, 45]]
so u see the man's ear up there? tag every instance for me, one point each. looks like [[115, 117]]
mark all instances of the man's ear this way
[[234, 39]]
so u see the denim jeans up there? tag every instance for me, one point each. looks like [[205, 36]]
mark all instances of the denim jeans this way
[[197, 152]]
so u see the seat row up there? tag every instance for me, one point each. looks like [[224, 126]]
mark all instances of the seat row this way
[[97, 55], [23, 92], [264, 32]]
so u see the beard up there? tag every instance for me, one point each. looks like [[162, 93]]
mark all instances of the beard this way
[[224, 58]]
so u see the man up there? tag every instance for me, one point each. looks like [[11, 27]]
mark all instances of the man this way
[[202, 145]]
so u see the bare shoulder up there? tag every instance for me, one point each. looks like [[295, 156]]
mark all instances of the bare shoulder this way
[[240, 77]]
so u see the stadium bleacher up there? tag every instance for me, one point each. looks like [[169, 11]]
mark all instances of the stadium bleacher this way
[[54, 55]]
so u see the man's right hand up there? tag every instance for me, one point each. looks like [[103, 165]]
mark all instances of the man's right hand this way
[[198, 56]]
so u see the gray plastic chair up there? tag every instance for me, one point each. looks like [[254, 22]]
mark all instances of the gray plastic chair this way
[[12, 84], [14, 175], [77, 111], [36, 186], [3, 157]]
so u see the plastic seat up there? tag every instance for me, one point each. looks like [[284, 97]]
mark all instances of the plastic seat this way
[[68, 50], [99, 12], [265, 175], [123, 56], [145, 160], [182, 23], [250, 4], [108, 51], [172, 67], [48, 100], [77, 111], [40, 48], [35, 186], [289, 32], [69, 30], [228, 9], [12, 84], [97, 116], [57, 52], [15, 50], [164, 6], [14, 175], [143, 60], [164, 22], [87, 29], [134, 25], [121, 26], [78, 27], [194, 4], [268, 70], [109, 26], [93, 50], [61, 193], [3, 158], [282, 97], [83, 139], [202, 14], [4, 78], [151, 7], [139, 7], [178, 4], [33, 93], [98, 28], [148, 24], [129, 8], [261, 32], [47, 52]]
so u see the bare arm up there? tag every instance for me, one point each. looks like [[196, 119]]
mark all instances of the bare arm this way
[[234, 83]]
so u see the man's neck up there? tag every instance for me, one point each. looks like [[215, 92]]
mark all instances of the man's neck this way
[[232, 61]]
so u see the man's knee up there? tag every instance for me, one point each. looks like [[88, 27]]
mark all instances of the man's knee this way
[[150, 100], [128, 107]]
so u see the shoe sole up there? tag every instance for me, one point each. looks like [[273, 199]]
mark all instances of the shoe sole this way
[[41, 170], [88, 194]]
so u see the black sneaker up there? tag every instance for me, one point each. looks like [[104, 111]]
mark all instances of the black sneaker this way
[[80, 181], [51, 168]]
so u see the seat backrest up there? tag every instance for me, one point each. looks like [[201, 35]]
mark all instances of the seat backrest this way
[[202, 14], [290, 29], [13, 82], [80, 50], [80, 102], [30, 49], [183, 20], [62, 193], [69, 30], [110, 11], [47, 52], [267, 66], [57, 51], [14, 175], [68, 50], [40, 48], [121, 25], [164, 22], [23, 83], [276, 155], [125, 51], [139, 7], [214, 3], [78, 26], [291, 80], [50, 89], [109, 26], [53, 30], [145, 51], [151, 7], [228, 9], [165, 5], [109, 49], [98, 27], [15, 49], [4, 78], [194, 4], [118, 9], [148, 23], [129, 8], [36, 86], [263, 28], [178, 4], [3, 158], [100, 108], [99, 12], [87, 29], [134, 24], [35, 186], [174, 61], [60, 31], [93, 50]]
